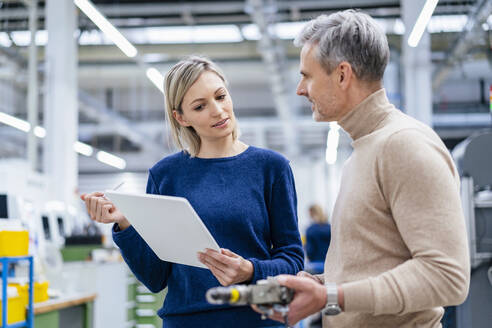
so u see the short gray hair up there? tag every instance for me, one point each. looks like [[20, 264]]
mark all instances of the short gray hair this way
[[349, 36], [178, 81]]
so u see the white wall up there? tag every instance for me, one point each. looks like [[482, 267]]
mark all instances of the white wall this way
[[311, 185]]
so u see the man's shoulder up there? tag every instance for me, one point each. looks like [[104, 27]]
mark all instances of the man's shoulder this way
[[403, 129], [413, 147]]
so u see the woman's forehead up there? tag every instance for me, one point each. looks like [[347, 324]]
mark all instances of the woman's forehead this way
[[207, 83]]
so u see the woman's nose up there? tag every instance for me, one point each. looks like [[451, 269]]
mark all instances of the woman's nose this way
[[217, 108]]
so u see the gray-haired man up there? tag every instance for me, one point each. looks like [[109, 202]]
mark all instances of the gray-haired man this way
[[398, 251]]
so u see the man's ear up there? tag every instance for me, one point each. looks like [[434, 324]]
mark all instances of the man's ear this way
[[345, 74], [179, 117]]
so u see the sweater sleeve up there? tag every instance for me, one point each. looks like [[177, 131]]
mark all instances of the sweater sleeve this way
[[420, 185], [144, 263], [286, 253]]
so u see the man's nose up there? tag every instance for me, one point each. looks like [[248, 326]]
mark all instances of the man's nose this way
[[301, 91]]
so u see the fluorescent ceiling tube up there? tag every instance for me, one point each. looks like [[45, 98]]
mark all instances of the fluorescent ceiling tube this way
[[110, 159], [111, 32], [15, 122], [421, 23], [22, 125], [40, 132], [156, 77], [83, 148], [79, 147]]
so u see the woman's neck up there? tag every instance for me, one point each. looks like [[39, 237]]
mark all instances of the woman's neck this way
[[225, 147]]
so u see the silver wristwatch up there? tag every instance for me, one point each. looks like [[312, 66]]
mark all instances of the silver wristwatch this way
[[332, 307]]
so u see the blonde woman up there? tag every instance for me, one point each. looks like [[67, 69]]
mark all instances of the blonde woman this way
[[244, 195]]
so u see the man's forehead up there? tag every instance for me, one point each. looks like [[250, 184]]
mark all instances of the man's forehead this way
[[306, 54], [304, 50]]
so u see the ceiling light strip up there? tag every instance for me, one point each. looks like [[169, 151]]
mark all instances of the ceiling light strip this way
[[79, 147], [156, 77], [83, 148], [108, 29], [111, 159], [15, 122], [421, 23]]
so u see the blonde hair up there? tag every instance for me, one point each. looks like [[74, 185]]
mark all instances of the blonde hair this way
[[317, 214], [178, 81]]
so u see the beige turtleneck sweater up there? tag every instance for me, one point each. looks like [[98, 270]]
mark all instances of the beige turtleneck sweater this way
[[399, 244]]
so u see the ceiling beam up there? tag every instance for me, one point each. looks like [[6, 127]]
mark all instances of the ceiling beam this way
[[214, 12], [93, 109], [466, 40], [263, 14]]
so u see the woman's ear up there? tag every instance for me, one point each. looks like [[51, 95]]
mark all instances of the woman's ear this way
[[179, 117]]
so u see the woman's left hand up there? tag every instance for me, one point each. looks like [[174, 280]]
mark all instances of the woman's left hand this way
[[228, 267]]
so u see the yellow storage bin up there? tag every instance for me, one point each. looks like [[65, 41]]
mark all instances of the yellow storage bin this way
[[14, 243], [40, 292], [16, 310]]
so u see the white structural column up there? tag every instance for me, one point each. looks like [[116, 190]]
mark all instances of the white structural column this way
[[417, 67], [392, 80], [263, 14], [60, 103], [32, 90]]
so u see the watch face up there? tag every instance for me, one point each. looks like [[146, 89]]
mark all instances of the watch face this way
[[332, 310]]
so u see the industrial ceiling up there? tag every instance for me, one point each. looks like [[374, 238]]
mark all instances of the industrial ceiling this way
[[112, 87]]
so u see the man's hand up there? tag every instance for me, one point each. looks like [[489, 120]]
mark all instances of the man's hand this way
[[309, 298], [310, 276], [228, 267]]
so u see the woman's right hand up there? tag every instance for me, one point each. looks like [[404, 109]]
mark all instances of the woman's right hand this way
[[102, 210]]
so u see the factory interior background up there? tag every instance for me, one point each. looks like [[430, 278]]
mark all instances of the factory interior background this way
[[82, 109]]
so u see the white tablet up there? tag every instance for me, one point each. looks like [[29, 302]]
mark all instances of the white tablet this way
[[168, 224]]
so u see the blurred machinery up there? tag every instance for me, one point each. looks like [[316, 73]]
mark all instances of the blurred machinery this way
[[267, 294], [473, 157]]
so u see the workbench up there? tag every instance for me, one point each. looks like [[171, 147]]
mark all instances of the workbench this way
[[75, 311]]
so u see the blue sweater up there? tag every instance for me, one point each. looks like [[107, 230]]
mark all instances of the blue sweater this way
[[317, 241], [248, 203]]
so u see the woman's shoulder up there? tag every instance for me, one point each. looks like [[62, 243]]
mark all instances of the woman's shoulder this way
[[169, 162], [268, 157]]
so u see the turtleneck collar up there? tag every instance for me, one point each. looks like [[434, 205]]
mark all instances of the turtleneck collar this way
[[366, 116]]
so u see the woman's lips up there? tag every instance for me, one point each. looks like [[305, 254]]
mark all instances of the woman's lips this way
[[221, 124]]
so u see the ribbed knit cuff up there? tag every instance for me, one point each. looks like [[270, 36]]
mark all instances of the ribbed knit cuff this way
[[256, 270], [118, 234], [358, 296]]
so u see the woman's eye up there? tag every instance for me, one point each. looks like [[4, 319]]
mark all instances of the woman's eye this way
[[200, 107], [221, 97]]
